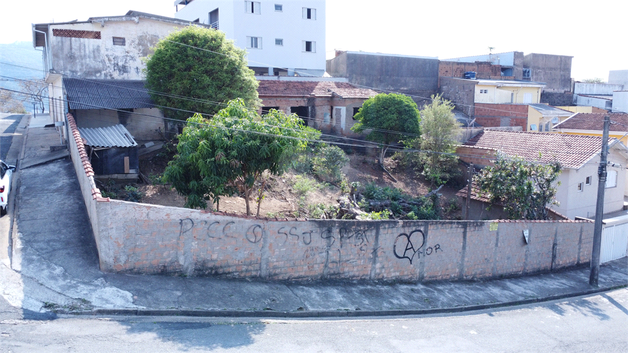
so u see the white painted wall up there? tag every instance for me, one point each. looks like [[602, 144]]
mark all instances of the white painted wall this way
[[620, 102], [574, 203], [99, 58], [596, 88], [592, 102], [269, 24]]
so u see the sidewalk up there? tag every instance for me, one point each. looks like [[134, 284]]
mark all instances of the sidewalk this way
[[54, 270]]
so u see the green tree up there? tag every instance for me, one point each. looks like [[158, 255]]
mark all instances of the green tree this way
[[525, 189], [231, 152], [198, 70], [439, 136], [390, 118]]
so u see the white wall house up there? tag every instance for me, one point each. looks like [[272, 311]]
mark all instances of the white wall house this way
[[281, 37], [579, 157], [95, 53]]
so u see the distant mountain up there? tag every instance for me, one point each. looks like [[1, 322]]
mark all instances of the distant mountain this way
[[20, 60]]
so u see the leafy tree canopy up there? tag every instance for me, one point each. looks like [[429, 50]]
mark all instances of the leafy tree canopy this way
[[231, 152], [439, 137], [525, 189], [198, 70], [391, 118]]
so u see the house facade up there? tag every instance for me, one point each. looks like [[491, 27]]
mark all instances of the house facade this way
[[578, 156], [281, 37], [95, 52], [327, 104], [543, 117]]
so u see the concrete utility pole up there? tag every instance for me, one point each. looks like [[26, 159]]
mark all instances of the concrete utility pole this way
[[599, 207]]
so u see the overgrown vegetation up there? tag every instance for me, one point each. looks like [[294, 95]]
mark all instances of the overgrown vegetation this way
[[231, 152], [433, 153], [525, 189]]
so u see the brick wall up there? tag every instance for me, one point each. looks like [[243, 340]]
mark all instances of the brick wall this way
[[151, 239], [497, 115]]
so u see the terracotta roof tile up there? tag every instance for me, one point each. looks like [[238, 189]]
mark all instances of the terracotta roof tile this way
[[594, 121], [271, 88], [572, 151]]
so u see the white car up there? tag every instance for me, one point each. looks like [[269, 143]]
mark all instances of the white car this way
[[6, 174]]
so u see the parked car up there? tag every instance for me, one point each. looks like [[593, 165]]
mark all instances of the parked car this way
[[6, 175]]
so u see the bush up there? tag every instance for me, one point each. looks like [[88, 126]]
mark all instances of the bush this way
[[327, 164]]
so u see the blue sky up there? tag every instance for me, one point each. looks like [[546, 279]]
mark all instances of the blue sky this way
[[594, 33]]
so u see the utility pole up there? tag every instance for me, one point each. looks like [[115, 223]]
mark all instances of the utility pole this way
[[599, 207], [469, 190]]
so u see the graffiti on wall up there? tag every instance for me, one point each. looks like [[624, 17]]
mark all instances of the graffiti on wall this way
[[407, 246]]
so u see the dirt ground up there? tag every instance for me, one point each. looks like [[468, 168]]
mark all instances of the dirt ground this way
[[281, 200]]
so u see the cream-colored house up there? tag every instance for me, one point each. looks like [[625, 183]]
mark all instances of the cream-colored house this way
[[502, 91], [542, 117]]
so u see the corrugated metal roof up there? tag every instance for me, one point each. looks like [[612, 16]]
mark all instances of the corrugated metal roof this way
[[106, 94], [108, 137]]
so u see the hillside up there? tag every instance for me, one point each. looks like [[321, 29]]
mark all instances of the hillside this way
[[19, 60]]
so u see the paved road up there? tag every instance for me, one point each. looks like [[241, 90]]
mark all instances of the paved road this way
[[594, 324], [8, 124]]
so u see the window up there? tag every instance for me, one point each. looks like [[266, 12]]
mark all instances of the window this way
[[279, 41], [611, 179], [355, 111], [580, 187], [309, 13], [252, 7], [254, 42], [278, 7], [482, 91], [309, 46], [541, 127], [587, 181], [532, 127], [119, 41]]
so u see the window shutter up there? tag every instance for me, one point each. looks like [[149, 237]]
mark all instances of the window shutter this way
[[256, 7], [313, 47], [247, 6], [305, 12], [303, 46], [313, 14]]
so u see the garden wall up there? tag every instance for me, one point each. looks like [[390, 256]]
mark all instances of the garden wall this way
[[141, 238]]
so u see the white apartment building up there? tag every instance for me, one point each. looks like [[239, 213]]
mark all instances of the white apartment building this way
[[281, 37]]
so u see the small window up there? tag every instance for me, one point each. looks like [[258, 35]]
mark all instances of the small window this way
[[541, 127], [611, 179], [483, 91], [278, 7], [252, 7], [355, 111], [279, 41], [254, 42], [309, 46], [119, 41], [532, 127], [587, 181], [309, 13], [580, 187]]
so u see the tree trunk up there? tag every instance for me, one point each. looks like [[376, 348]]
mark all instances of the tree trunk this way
[[247, 192], [381, 162], [260, 197]]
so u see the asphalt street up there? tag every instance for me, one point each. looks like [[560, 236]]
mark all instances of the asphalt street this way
[[597, 323]]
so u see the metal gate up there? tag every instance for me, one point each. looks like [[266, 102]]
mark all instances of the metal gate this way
[[614, 239]]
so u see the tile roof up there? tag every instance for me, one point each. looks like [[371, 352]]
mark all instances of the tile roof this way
[[106, 94], [107, 137], [572, 151], [272, 88], [594, 121]]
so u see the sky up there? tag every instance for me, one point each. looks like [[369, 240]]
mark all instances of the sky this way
[[594, 34]]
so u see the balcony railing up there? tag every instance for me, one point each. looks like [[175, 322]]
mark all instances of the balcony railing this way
[[215, 25]]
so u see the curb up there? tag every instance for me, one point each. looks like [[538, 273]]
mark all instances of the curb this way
[[330, 314]]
